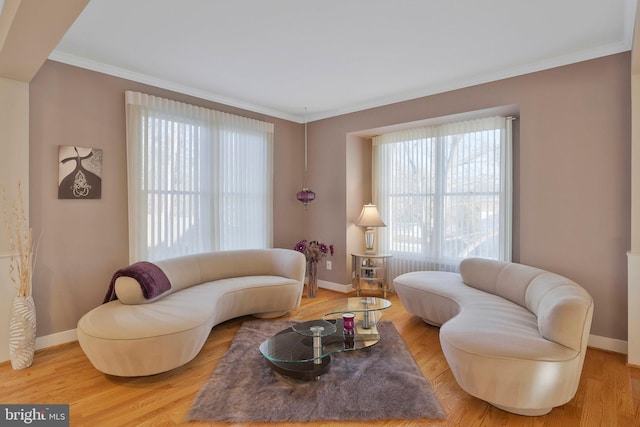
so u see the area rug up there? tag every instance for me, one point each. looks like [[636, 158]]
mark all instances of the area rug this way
[[382, 382]]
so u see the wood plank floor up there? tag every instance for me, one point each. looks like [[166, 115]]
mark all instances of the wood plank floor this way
[[609, 392]]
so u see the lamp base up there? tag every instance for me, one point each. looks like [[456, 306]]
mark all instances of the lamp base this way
[[369, 241]]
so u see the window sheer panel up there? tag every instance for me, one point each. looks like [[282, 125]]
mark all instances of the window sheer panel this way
[[244, 196], [191, 172], [176, 220], [442, 192], [506, 190], [136, 131]]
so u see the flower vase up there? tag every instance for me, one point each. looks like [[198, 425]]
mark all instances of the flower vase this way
[[312, 285], [22, 332]]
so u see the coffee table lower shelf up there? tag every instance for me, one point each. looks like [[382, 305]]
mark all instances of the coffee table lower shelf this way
[[301, 370]]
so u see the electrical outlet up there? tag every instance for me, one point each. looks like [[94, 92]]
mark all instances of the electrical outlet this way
[[329, 265]]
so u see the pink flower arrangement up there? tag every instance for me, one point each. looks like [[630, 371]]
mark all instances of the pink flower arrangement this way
[[314, 251]]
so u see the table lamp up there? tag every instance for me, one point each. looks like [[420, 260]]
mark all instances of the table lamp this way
[[370, 217]]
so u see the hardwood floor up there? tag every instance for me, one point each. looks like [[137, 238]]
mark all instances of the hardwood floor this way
[[609, 392]]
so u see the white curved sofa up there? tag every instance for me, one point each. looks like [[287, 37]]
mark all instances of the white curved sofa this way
[[514, 336], [134, 336]]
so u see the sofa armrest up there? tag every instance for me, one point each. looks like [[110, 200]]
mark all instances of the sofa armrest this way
[[564, 316]]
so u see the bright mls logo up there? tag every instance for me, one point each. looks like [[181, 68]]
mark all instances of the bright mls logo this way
[[34, 415]]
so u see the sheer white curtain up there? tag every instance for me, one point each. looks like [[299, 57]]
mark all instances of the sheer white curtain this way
[[198, 179], [445, 194]]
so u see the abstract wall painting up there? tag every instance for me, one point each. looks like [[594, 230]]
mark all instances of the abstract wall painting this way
[[80, 172]]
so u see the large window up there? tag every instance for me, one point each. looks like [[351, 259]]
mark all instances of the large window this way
[[444, 193], [198, 179]]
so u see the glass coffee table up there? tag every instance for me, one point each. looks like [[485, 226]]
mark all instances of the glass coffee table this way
[[304, 350]]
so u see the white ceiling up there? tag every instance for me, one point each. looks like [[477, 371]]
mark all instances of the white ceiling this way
[[337, 56]]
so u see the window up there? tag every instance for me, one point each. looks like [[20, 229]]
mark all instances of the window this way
[[199, 180], [444, 193]]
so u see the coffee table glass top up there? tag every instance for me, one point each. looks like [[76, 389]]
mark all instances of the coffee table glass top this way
[[358, 305], [307, 328]]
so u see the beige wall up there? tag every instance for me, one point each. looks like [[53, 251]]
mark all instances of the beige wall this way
[[14, 168], [572, 174], [85, 241], [358, 191], [572, 180], [633, 261]]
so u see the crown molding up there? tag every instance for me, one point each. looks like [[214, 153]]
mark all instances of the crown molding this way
[[545, 64], [529, 68], [100, 67]]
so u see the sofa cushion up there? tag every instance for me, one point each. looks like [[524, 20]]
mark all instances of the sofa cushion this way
[[493, 326], [191, 270], [174, 313], [558, 303], [564, 314], [182, 272], [207, 303], [508, 280], [247, 262]]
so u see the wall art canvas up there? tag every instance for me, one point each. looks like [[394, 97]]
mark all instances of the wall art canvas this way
[[80, 172]]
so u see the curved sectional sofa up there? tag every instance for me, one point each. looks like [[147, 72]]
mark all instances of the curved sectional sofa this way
[[514, 336], [136, 336]]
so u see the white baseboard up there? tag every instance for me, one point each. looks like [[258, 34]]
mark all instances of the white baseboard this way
[[345, 289], [51, 341], [609, 344], [56, 339]]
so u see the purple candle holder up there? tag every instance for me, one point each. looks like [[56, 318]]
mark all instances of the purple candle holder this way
[[349, 322], [349, 330]]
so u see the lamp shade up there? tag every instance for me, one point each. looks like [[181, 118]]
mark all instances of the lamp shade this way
[[370, 217]]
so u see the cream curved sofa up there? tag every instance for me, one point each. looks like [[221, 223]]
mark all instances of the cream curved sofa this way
[[132, 336], [514, 336]]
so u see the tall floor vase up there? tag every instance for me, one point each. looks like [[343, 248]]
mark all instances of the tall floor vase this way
[[22, 332], [312, 285]]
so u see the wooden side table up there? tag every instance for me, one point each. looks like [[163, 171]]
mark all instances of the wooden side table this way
[[369, 272]]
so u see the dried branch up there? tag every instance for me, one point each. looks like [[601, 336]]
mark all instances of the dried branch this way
[[21, 245]]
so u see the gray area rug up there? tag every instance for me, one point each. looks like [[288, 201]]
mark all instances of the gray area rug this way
[[382, 382]]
